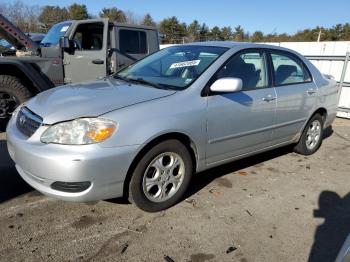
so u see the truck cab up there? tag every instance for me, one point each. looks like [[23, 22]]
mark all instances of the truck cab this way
[[96, 48], [71, 52]]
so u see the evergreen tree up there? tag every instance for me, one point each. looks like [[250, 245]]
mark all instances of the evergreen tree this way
[[78, 12], [148, 20], [114, 14]]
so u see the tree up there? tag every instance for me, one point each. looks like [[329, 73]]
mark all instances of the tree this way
[[257, 36], [239, 33], [346, 28], [148, 20], [78, 12], [215, 33], [25, 17], [226, 33], [204, 32], [114, 14], [193, 31], [172, 29], [51, 15], [336, 33]]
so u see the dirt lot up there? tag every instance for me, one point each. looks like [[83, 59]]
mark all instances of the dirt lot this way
[[277, 206]]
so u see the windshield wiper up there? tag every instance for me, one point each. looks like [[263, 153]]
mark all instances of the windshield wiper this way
[[121, 78], [144, 82]]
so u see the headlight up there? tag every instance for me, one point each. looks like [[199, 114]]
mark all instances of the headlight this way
[[81, 131]]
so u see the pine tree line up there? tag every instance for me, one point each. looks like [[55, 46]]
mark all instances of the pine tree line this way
[[41, 19]]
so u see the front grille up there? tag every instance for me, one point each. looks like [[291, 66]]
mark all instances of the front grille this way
[[28, 122], [71, 187]]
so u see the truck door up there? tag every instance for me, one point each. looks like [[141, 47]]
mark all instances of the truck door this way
[[133, 44], [88, 59]]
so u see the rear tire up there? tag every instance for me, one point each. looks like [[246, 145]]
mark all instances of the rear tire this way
[[12, 94], [161, 177], [311, 138]]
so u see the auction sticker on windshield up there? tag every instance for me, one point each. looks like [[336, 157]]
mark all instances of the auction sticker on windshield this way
[[185, 64], [65, 28]]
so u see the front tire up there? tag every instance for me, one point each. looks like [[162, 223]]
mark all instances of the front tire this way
[[311, 138], [12, 94], [161, 177]]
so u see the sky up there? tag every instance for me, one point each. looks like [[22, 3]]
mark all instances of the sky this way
[[269, 16]]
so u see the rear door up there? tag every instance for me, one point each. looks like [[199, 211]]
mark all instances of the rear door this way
[[241, 122], [134, 44], [88, 61], [296, 95]]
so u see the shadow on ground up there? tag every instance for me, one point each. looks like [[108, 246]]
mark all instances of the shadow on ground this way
[[12, 185], [330, 236], [202, 179]]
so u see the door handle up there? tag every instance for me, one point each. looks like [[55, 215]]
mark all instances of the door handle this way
[[311, 91], [98, 62], [269, 98]]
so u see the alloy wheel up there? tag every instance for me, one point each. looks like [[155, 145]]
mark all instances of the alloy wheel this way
[[163, 177], [313, 134]]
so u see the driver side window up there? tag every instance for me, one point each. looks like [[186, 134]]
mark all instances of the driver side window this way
[[89, 37], [248, 66]]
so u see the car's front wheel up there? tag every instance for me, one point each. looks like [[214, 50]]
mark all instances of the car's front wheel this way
[[161, 177], [311, 138]]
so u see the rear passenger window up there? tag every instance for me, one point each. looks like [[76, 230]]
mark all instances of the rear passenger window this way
[[132, 41], [250, 67], [289, 70]]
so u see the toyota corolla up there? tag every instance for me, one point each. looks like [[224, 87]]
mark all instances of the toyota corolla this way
[[144, 131]]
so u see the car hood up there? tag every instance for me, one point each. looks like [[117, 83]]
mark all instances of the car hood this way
[[90, 99]]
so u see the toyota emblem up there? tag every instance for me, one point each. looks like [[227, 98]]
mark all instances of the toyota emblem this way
[[22, 120]]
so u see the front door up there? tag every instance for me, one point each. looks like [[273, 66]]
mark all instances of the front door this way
[[88, 60], [241, 122]]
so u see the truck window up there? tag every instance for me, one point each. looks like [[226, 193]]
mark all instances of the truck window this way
[[89, 37], [56, 32], [133, 41]]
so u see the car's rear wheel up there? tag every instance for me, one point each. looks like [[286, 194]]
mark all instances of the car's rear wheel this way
[[12, 94], [161, 177], [311, 138]]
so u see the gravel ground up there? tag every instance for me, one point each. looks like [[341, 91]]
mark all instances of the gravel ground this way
[[276, 206]]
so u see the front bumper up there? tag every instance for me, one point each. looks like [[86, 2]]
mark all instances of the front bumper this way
[[40, 165]]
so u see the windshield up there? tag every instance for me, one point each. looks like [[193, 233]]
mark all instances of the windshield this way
[[55, 33], [174, 67]]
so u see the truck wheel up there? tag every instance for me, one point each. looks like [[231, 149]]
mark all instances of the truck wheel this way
[[311, 138], [12, 94], [161, 177]]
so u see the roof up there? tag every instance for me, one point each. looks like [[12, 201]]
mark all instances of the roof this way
[[231, 44], [135, 26]]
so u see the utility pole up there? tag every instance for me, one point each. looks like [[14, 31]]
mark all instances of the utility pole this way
[[319, 35]]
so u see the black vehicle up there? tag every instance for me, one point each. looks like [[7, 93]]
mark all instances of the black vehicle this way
[[71, 52], [6, 49]]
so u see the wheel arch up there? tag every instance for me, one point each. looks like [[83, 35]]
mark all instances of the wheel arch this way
[[181, 137], [26, 73], [322, 111]]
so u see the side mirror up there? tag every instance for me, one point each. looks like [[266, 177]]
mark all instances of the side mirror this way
[[228, 84], [66, 44]]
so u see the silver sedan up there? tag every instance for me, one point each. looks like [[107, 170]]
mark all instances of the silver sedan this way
[[143, 132]]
